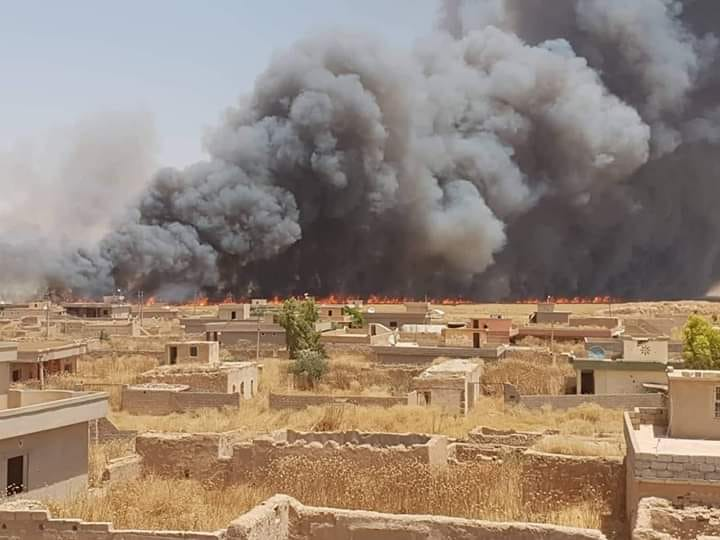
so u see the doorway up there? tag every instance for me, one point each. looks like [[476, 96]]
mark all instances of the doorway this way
[[173, 355], [15, 476], [587, 381]]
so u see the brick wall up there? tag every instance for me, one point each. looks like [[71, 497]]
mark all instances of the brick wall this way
[[302, 401], [159, 403], [103, 430], [210, 381]]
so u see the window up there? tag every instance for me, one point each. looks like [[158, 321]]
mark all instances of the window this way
[[193, 351], [15, 375], [393, 324], [717, 402], [233, 315], [242, 389], [252, 388], [15, 476], [329, 312], [428, 397]]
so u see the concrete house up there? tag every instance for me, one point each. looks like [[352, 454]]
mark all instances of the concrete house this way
[[192, 352], [234, 332], [98, 310], [411, 313], [453, 385], [44, 436], [54, 357], [673, 452], [641, 368], [480, 330]]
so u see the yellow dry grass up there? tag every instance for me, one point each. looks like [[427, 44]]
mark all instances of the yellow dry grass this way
[[100, 455], [529, 377], [573, 446], [256, 417], [492, 491]]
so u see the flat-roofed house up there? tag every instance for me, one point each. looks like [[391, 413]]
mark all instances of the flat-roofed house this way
[[54, 357], [44, 436], [192, 352], [641, 367], [452, 385]]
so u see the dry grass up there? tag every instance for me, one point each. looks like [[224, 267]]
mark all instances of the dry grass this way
[[493, 491], [529, 377], [101, 454], [573, 446], [256, 417]]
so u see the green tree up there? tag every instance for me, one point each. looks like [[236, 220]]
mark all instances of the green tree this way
[[356, 316], [701, 344], [310, 364], [298, 318]]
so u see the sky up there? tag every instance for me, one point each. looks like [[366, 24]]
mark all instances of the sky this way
[[181, 61]]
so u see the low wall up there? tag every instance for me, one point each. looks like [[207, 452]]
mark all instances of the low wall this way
[[103, 430], [200, 381], [283, 518], [160, 402], [122, 469], [222, 458], [509, 437], [609, 401], [302, 401]]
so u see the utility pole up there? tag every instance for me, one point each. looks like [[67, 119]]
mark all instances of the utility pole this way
[[257, 345], [47, 315], [141, 303]]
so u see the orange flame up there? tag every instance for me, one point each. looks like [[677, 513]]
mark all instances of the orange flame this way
[[572, 300]]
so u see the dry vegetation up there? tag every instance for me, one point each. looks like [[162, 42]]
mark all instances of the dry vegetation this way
[[493, 491], [529, 377], [100, 456]]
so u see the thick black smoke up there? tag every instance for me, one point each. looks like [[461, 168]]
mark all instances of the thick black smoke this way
[[525, 148]]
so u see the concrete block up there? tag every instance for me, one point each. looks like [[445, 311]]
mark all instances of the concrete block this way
[[642, 464], [695, 475], [713, 476], [675, 467], [665, 474], [697, 459], [706, 467], [660, 466], [664, 458], [681, 459]]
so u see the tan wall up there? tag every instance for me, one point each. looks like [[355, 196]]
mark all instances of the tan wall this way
[[56, 460], [604, 322], [208, 352], [609, 381], [160, 403], [653, 350], [243, 381], [692, 409], [302, 401], [613, 401], [209, 381], [4, 383], [463, 337], [552, 317]]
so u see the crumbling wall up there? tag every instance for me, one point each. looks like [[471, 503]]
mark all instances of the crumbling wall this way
[[507, 437], [29, 520], [302, 401], [659, 519]]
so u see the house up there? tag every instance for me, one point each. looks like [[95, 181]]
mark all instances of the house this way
[[453, 385], [31, 309], [548, 323], [673, 452], [256, 308], [192, 352], [155, 311], [97, 310], [235, 332], [641, 366], [411, 313], [495, 330], [44, 436], [54, 356]]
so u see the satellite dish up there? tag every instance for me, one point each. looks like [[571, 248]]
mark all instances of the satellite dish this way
[[371, 310]]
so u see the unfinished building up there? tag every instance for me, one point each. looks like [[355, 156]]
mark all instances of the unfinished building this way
[[38, 426], [36, 360], [191, 352], [453, 385], [548, 323], [97, 310]]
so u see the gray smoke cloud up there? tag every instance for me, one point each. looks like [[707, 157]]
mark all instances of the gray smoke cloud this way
[[62, 191], [524, 148]]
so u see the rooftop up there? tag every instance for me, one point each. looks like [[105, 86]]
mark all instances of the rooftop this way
[[652, 439], [707, 375], [617, 365], [455, 366]]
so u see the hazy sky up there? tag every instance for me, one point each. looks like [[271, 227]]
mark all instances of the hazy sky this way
[[181, 60]]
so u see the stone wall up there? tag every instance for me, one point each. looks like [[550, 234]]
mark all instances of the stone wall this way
[[284, 518], [508, 437], [610, 401], [103, 430], [198, 381], [302, 401], [122, 469], [659, 519], [160, 402]]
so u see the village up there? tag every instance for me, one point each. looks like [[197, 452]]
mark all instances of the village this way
[[305, 419]]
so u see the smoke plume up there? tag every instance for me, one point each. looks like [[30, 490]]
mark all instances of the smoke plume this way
[[523, 148]]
